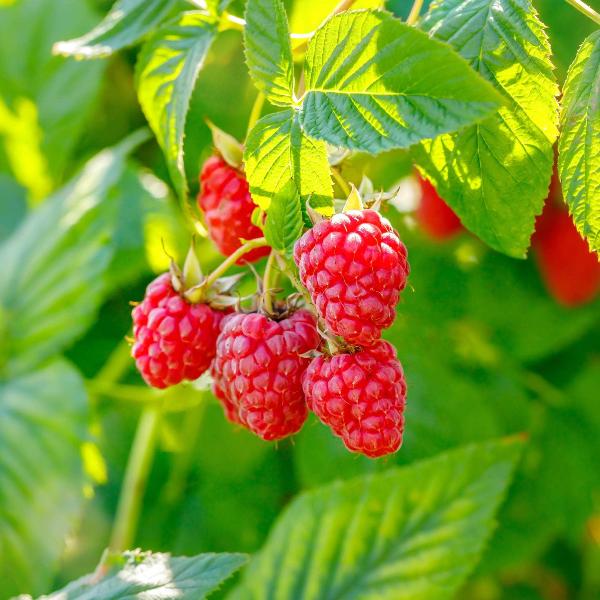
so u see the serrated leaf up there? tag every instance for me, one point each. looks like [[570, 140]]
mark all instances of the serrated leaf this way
[[579, 143], [140, 575], [285, 222], [268, 50], [166, 74], [42, 425], [413, 533], [374, 83], [495, 174], [53, 266], [277, 151], [125, 24]]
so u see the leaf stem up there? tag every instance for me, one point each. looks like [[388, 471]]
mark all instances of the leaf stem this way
[[231, 260], [586, 10], [340, 181], [134, 483], [414, 12], [341, 7], [269, 281], [256, 111]]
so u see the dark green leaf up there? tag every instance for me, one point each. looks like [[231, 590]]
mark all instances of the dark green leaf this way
[[579, 144], [268, 50], [139, 575], [284, 220], [495, 174], [278, 151], [126, 23], [411, 533], [166, 74], [53, 266], [374, 83], [42, 425]]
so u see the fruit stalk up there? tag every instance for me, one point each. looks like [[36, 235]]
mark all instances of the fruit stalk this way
[[136, 477]]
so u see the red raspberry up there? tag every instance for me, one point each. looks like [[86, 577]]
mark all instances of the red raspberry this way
[[174, 340], [354, 266], [437, 219], [230, 408], [227, 206], [259, 368], [361, 397], [570, 271]]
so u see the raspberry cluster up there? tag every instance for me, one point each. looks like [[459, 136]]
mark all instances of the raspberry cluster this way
[[227, 206], [174, 340]]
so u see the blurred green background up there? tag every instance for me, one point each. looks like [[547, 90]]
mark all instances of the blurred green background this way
[[486, 351]]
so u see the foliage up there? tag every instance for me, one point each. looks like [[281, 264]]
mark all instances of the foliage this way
[[477, 95]]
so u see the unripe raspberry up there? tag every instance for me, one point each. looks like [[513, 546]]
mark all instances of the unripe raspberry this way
[[174, 340], [438, 220], [227, 205], [361, 397], [570, 271], [354, 267], [259, 366]]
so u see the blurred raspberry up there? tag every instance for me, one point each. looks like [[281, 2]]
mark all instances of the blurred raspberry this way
[[354, 266], [570, 271], [174, 340], [361, 396], [227, 205], [438, 220], [259, 368]]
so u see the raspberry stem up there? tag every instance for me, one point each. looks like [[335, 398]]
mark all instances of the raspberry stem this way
[[134, 484], [269, 282], [414, 12], [586, 10], [233, 258]]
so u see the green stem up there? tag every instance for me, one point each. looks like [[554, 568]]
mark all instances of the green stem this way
[[341, 7], [341, 181], [256, 111], [586, 10], [134, 483], [414, 12], [233, 258], [269, 281]]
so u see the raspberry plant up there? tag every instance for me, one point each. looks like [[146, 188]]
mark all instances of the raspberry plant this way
[[294, 329]]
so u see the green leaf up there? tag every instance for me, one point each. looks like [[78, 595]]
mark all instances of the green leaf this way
[[12, 205], [53, 266], [495, 174], [166, 74], [284, 223], [579, 144], [45, 100], [42, 425], [374, 83], [277, 151], [411, 533], [140, 575], [126, 23], [268, 50], [217, 7]]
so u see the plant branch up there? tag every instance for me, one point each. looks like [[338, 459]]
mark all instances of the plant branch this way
[[134, 483], [414, 12], [586, 10], [231, 260]]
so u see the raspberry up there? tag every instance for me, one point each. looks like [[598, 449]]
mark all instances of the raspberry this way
[[174, 340], [570, 271], [227, 206], [230, 408], [361, 397], [259, 368], [354, 266], [437, 219]]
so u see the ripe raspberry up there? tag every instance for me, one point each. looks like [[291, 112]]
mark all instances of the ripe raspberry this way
[[259, 368], [227, 206], [174, 340], [361, 397], [437, 219], [570, 271], [354, 266], [230, 408]]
